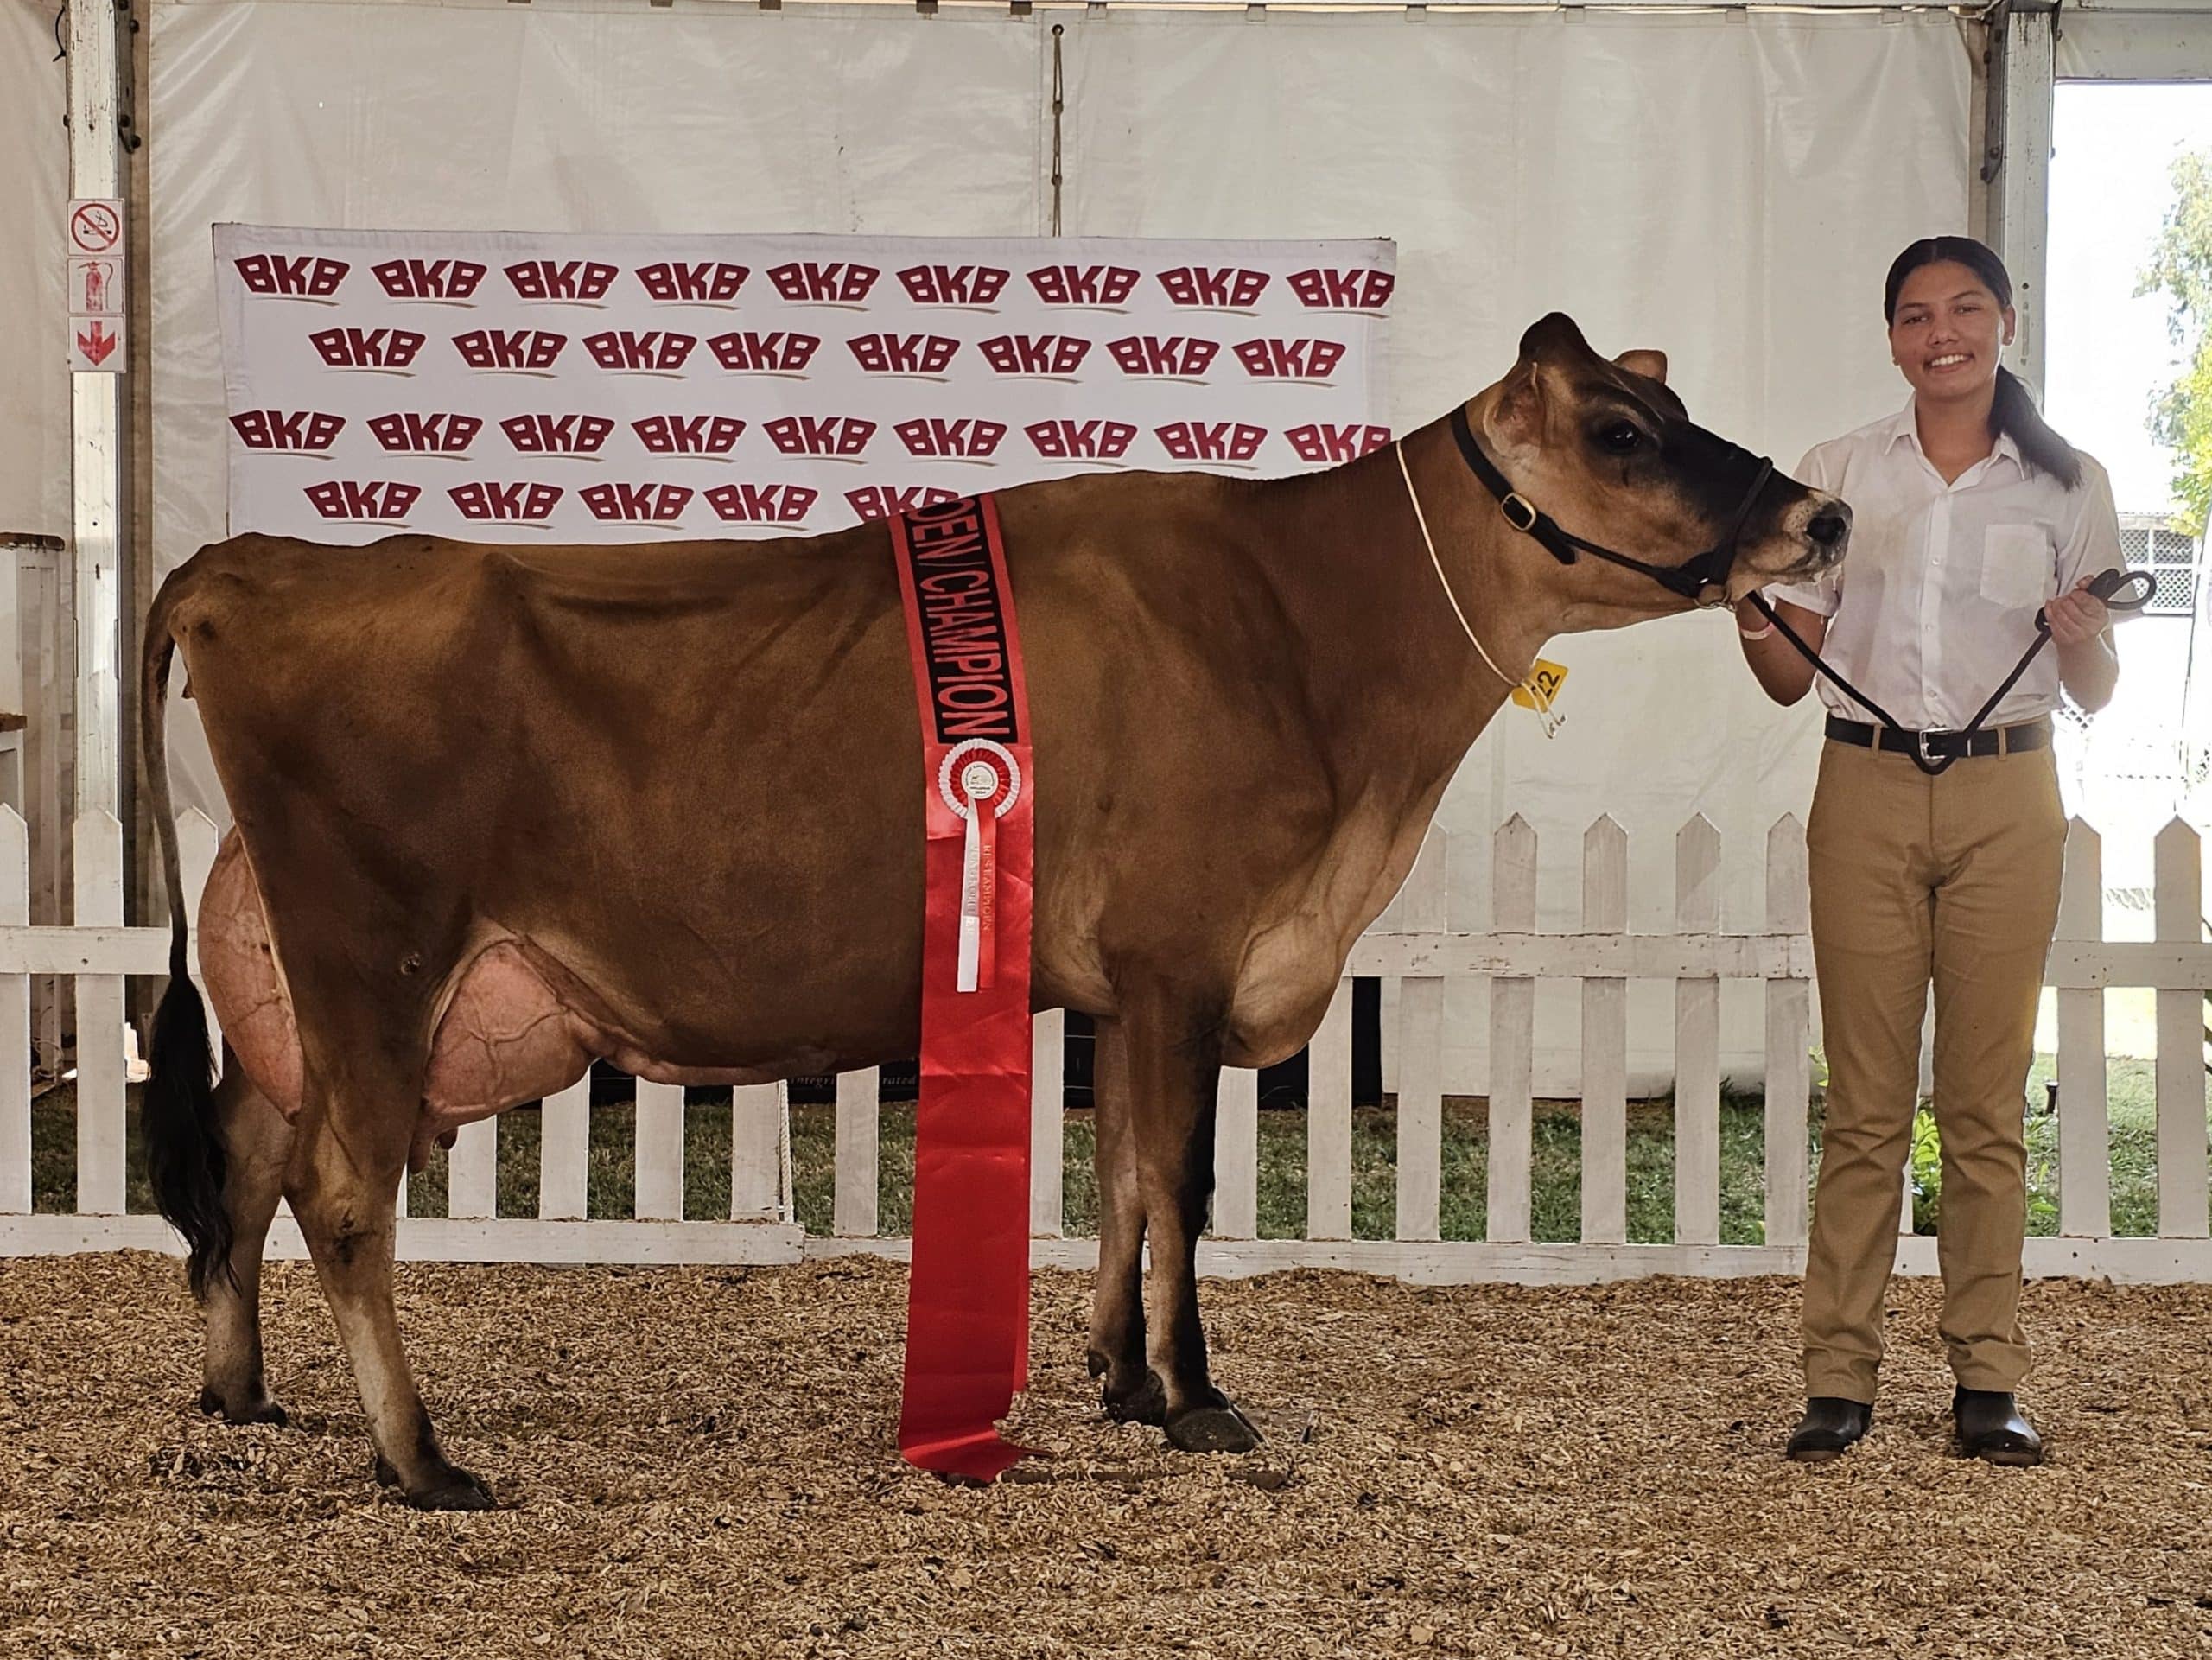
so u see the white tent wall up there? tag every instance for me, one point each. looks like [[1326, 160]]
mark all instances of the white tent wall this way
[[1726, 186], [33, 192]]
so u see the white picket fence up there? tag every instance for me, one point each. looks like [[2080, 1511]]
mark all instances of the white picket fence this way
[[1417, 951]]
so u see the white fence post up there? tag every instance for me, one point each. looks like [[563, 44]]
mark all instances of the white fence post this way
[[564, 1153], [757, 1118], [1048, 1123], [100, 1180], [1788, 1038], [1236, 1155], [1605, 1042], [1512, 1037], [1328, 1122], [1697, 1042], [853, 1209], [1421, 908], [15, 1020], [660, 1152], [2084, 1129], [2180, 902], [473, 1171]]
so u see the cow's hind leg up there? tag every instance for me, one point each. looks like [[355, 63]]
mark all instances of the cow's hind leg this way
[[345, 1185], [1132, 1391], [1174, 1054], [257, 1146]]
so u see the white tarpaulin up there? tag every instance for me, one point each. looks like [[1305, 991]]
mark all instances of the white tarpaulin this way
[[595, 388], [1726, 186], [34, 191]]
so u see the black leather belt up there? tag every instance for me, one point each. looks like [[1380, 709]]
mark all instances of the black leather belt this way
[[1943, 746]]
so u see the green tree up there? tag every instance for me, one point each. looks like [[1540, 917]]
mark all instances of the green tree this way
[[2181, 266]]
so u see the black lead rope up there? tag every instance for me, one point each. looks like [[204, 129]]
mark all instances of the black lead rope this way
[[2107, 585]]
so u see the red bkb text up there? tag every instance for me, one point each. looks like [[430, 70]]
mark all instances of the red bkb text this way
[[835, 283], [707, 282], [305, 432], [366, 348], [1342, 290], [689, 435], [1321, 442], [520, 503], [557, 435], [777, 353], [288, 276], [1083, 285], [903, 354], [561, 279], [628, 348], [1218, 288], [888, 501], [1211, 440], [820, 435], [509, 348], [428, 279], [762, 504], [953, 285], [637, 503], [1035, 355], [1176, 356], [954, 439], [362, 498], [405, 432], [1300, 359], [1081, 440]]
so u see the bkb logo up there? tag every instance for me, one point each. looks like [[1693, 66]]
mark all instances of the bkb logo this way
[[820, 435], [762, 504], [888, 501], [1081, 440], [952, 440], [689, 435], [1342, 290], [301, 432], [903, 354], [370, 500], [774, 354], [803, 282], [1211, 440], [953, 285], [1323, 442], [406, 433], [557, 279], [286, 276], [1223, 289], [713, 282], [653, 349], [1035, 355], [521, 502], [1174, 358], [1083, 285], [366, 348], [428, 279], [556, 434], [654, 503], [1299, 359], [523, 349]]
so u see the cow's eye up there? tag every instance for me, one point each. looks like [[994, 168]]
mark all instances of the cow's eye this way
[[1620, 437]]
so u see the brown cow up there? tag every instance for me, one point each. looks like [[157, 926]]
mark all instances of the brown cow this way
[[499, 811]]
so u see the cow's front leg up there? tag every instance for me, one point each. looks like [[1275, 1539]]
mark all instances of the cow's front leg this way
[[345, 1176], [1131, 1393], [1174, 1070], [257, 1146]]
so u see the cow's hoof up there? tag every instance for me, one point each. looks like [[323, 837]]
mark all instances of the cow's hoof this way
[[256, 1409], [1145, 1403], [1217, 1429], [454, 1490]]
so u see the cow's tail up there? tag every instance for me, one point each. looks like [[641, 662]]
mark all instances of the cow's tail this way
[[184, 1143]]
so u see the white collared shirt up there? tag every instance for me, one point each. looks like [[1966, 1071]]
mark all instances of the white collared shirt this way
[[1936, 598]]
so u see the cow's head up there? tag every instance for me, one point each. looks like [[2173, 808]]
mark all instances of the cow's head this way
[[1609, 452]]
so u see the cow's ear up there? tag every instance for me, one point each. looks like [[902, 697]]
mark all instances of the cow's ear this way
[[1652, 365], [1518, 414]]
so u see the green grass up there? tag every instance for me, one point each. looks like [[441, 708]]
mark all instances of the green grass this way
[[1555, 1178]]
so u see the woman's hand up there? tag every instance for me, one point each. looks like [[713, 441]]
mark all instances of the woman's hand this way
[[2077, 616]]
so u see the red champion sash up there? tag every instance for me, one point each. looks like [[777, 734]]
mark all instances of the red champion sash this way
[[968, 1296]]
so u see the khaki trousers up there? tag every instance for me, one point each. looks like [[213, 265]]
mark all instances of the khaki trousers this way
[[1952, 878]]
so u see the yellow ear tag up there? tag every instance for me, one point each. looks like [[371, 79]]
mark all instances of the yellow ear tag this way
[[1540, 690]]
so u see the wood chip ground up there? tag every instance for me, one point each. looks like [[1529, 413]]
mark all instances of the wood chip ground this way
[[700, 1462]]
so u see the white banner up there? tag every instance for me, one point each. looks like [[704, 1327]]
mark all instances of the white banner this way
[[600, 388]]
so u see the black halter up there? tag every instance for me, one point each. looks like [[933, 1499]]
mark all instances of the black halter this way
[[1690, 579]]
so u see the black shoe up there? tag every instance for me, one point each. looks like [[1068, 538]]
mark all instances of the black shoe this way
[[1990, 1427], [1830, 1425]]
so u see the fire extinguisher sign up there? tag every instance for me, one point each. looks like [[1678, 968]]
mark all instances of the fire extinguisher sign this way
[[96, 287]]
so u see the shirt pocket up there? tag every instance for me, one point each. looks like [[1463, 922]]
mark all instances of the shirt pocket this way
[[2017, 568]]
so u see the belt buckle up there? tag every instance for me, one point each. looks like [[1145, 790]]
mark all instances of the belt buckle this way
[[1921, 740]]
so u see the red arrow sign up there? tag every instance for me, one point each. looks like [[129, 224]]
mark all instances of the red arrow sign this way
[[96, 342]]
